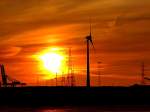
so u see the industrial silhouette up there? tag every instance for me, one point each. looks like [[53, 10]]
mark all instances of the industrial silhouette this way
[[70, 76], [73, 95], [6, 78], [99, 73], [143, 75], [88, 40]]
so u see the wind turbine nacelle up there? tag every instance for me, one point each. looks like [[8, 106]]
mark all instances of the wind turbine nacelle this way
[[89, 37]]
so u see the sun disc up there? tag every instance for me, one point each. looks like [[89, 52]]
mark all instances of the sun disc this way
[[52, 62]]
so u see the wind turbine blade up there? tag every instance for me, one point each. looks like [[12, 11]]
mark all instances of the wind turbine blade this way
[[92, 44], [147, 78]]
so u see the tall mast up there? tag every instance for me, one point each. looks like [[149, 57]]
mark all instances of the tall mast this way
[[143, 74], [88, 39], [88, 65]]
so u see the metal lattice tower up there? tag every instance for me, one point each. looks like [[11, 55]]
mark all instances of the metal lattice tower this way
[[70, 77]]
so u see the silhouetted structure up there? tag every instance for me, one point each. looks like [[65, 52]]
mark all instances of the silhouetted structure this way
[[143, 74], [89, 40], [63, 80], [56, 78], [146, 78], [5, 79], [70, 76], [72, 79], [99, 73]]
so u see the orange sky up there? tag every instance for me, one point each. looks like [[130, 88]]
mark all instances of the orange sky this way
[[120, 28]]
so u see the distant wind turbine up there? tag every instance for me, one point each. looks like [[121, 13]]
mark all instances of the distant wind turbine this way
[[88, 40]]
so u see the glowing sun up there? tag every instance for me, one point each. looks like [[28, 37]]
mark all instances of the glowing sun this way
[[52, 62]]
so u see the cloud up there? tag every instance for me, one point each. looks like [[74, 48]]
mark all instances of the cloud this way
[[9, 51]]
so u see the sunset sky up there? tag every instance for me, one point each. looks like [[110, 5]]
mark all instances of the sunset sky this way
[[120, 29]]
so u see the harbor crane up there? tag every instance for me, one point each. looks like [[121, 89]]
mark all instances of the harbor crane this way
[[8, 81]]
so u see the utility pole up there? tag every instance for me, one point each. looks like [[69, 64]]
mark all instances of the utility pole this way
[[69, 69], [72, 79], [37, 80], [56, 78], [63, 80], [143, 74], [99, 73]]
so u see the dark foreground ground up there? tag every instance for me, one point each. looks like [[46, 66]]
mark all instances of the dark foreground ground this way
[[76, 96], [114, 108]]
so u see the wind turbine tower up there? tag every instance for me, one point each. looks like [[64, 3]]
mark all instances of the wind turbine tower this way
[[88, 40]]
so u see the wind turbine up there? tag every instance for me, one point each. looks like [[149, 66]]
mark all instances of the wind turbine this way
[[88, 40]]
